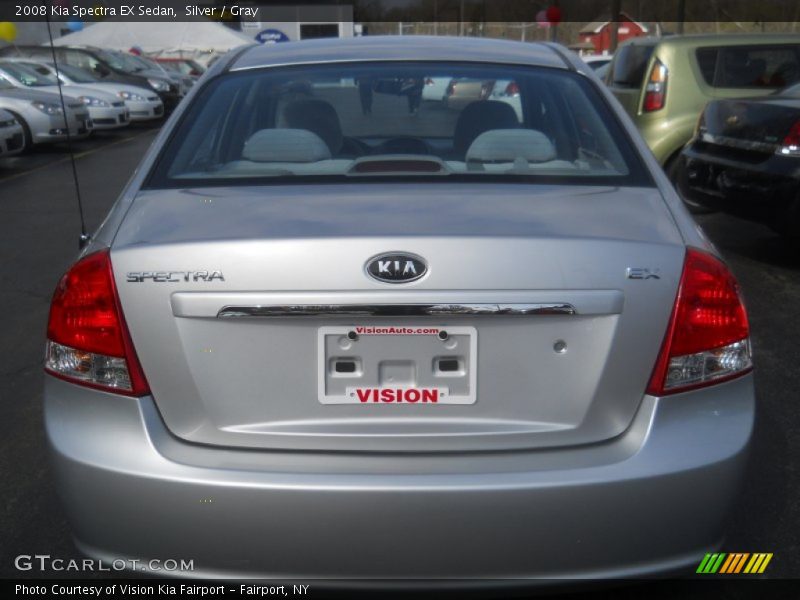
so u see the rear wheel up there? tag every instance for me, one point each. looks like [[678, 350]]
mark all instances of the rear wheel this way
[[27, 143], [673, 171]]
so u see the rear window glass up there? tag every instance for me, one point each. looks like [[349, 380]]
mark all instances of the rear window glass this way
[[750, 66], [707, 61], [432, 120], [629, 65]]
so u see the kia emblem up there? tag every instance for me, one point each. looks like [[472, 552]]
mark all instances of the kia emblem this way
[[396, 267]]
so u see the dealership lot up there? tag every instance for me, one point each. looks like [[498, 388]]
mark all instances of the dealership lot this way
[[39, 239]]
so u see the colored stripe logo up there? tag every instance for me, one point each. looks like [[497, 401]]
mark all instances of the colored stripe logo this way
[[734, 563]]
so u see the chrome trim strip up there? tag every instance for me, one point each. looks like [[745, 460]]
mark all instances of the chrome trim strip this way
[[398, 310]]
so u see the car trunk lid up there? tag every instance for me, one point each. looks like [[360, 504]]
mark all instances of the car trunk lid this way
[[239, 302], [755, 124]]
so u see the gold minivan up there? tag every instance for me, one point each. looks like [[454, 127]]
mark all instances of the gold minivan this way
[[664, 83]]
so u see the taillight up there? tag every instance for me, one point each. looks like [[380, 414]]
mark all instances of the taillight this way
[[87, 340], [791, 143], [512, 89], [655, 95], [429, 81], [707, 340]]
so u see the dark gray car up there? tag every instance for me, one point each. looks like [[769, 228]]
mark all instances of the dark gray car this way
[[312, 340]]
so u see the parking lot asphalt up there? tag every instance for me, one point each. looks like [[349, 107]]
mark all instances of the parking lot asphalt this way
[[38, 240]]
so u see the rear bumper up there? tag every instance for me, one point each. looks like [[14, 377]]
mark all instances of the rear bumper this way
[[760, 191], [649, 501]]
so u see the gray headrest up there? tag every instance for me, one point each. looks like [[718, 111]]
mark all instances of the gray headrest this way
[[481, 116], [285, 145], [508, 145], [317, 116]]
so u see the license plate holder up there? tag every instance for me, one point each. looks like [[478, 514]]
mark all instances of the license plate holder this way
[[397, 364]]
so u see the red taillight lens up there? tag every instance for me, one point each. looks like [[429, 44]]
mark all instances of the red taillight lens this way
[[512, 89], [87, 339], [655, 95], [707, 339]]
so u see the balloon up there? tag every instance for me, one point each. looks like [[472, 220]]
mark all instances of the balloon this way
[[553, 15], [75, 25], [8, 31]]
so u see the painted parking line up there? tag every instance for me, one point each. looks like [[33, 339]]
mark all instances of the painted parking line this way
[[77, 155]]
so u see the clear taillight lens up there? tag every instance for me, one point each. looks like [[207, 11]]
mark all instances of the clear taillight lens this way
[[707, 340]]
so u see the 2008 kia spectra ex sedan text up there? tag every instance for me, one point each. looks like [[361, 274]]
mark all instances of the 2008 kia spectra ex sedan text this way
[[331, 329]]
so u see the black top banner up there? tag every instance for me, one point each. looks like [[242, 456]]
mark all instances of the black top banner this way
[[382, 11]]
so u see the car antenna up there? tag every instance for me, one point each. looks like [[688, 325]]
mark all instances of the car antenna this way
[[84, 237]]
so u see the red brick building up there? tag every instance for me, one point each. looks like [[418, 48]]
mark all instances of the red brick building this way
[[598, 33]]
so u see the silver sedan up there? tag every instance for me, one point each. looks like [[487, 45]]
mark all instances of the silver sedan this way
[[105, 110], [143, 104], [42, 117], [313, 340]]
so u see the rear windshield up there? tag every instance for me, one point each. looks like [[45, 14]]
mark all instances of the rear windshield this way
[[432, 120], [750, 66], [629, 65]]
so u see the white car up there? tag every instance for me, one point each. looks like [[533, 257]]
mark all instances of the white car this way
[[12, 136], [143, 104], [435, 88], [507, 91], [105, 110]]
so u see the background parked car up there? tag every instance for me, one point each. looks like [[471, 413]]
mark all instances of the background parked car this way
[[12, 136], [41, 116], [745, 159], [184, 66], [597, 61], [435, 89], [106, 110], [143, 104], [152, 68], [461, 92], [602, 72], [664, 83], [508, 91], [104, 65]]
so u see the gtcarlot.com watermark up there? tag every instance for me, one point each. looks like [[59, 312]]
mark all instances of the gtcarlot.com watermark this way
[[45, 562]]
